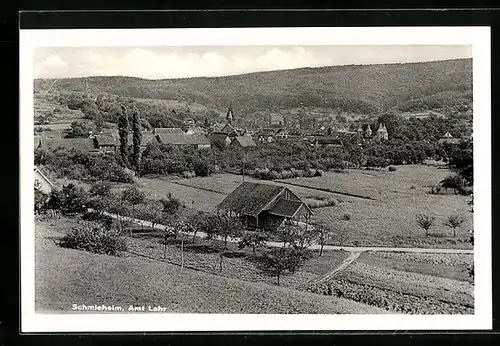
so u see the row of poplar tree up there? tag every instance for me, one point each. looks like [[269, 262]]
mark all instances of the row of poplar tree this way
[[123, 130]]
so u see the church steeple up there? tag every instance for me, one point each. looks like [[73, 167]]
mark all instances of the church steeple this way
[[230, 114]]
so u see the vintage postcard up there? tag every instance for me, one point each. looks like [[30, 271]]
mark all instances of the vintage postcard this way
[[255, 179]]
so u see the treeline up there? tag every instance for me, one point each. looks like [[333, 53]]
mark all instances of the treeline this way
[[358, 89]]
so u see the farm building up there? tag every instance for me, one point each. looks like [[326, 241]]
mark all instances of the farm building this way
[[231, 131], [36, 141], [448, 138], [195, 130], [328, 142], [52, 134], [220, 139], [147, 137], [167, 130], [82, 144], [277, 120], [262, 206], [182, 139], [243, 141], [106, 142], [42, 183], [270, 135]]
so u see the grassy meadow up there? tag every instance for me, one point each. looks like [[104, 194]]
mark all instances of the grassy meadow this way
[[385, 218]]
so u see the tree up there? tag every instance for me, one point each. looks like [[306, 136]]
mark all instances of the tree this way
[[425, 222], [454, 182], [278, 260], [100, 189], [171, 205], [123, 132], [196, 222], [323, 235], [79, 129], [253, 239], [134, 196], [137, 139], [454, 221], [224, 226]]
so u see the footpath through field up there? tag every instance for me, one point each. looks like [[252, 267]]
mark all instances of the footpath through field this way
[[314, 246]]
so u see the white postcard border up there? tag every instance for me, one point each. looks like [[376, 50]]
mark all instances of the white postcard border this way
[[478, 37]]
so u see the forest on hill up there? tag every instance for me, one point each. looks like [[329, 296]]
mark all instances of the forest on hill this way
[[362, 89]]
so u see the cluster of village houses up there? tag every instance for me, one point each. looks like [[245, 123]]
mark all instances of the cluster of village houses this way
[[223, 135], [258, 205]]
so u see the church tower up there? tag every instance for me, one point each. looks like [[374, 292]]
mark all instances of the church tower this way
[[368, 131], [230, 115], [382, 132]]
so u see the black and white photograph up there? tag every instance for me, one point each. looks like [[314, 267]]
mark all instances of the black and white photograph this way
[[256, 179]]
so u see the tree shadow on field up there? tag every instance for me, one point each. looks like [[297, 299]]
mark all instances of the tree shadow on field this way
[[233, 254], [198, 248]]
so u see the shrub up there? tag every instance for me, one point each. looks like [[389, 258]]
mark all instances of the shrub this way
[[170, 204], [392, 169], [105, 220], [346, 216], [94, 237]]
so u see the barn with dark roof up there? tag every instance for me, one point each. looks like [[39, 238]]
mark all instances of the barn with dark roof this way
[[263, 206]]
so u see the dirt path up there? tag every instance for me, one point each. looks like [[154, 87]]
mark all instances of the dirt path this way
[[352, 257], [316, 246]]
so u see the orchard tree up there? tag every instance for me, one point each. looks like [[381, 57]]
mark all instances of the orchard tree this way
[[224, 226], [425, 222], [279, 260], [134, 196], [253, 239], [323, 235], [454, 221]]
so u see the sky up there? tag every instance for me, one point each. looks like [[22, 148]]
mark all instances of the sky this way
[[210, 61]]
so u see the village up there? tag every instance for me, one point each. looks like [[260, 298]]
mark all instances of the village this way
[[284, 212]]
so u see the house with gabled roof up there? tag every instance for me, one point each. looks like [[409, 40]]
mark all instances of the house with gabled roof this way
[[81, 144], [36, 141], [162, 130], [106, 142], [328, 142], [147, 137], [182, 139], [42, 182], [265, 206], [243, 141], [448, 138], [219, 139], [52, 134]]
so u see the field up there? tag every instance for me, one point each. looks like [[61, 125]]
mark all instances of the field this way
[[420, 283], [386, 217], [406, 283], [65, 276]]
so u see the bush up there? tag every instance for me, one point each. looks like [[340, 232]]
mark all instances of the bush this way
[[105, 220], [346, 216], [392, 169], [94, 237]]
